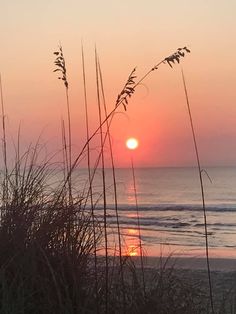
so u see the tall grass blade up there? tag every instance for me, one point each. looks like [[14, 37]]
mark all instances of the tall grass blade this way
[[202, 190], [90, 190], [61, 68], [114, 186], [103, 184], [4, 149], [139, 229]]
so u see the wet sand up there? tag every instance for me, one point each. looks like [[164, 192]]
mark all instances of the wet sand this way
[[193, 272], [191, 263]]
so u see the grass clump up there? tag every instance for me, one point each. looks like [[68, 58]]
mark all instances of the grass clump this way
[[45, 243]]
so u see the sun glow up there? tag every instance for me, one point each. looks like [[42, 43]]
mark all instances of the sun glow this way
[[132, 143], [132, 250]]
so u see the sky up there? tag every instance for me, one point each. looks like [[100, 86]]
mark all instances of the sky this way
[[127, 34]]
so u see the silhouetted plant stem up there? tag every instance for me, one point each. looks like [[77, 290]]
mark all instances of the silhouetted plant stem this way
[[202, 191], [61, 68], [17, 163], [90, 180], [5, 180], [114, 186], [138, 222], [17, 167], [64, 149], [69, 142], [103, 183]]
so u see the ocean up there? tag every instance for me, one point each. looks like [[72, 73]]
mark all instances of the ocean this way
[[170, 210]]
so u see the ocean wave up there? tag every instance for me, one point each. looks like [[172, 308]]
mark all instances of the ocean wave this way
[[171, 207], [149, 222]]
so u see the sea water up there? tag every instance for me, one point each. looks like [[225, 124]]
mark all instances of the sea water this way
[[168, 202]]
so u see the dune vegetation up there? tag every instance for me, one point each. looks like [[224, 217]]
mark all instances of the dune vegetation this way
[[55, 255]]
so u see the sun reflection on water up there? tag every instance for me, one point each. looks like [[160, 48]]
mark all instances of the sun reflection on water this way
[[132, 245]]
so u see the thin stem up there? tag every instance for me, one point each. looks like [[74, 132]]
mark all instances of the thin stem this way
[[70, 145], [64, 145], [202, 190], [5, 182], [69, 158], [103, 182], [114, 186], [138, 221], [17, 165], [64, 151], [61, 68], [90, 179]]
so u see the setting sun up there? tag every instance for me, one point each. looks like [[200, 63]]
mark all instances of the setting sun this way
[[132, 250], [132, 143]]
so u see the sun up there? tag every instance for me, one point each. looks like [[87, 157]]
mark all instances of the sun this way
[[132, 143], [132, 250]]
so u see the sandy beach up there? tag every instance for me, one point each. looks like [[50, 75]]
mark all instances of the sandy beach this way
[[192, 263], [192, 273]]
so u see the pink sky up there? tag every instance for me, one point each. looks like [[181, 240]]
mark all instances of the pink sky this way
[[127, 34]]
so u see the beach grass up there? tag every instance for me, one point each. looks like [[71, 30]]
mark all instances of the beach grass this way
[[55, 255]]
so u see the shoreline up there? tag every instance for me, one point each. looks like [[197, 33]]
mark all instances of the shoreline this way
[[188, 263]]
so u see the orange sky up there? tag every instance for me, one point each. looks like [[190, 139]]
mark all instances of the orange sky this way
[[127, 34]]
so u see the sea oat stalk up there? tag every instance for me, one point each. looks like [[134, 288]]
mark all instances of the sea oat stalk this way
[[103, 183], [90, 191], [61, 67], [138, 222], [114, 186], [4, 149], [200, 171]]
